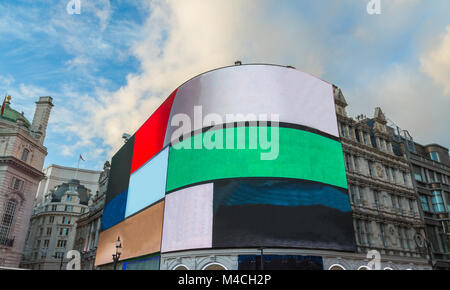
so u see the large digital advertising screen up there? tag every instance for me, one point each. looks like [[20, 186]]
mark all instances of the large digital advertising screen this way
[[176, 187]]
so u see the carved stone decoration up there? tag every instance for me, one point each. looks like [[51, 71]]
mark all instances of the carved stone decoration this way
[[379, 170]]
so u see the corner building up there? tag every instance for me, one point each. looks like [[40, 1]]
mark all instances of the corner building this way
[[22, 155], [183, 194]]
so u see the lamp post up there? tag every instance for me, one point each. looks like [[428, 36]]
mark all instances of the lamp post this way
[[62, 258], [116, 256]]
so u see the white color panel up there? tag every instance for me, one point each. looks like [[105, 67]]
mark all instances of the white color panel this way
[[188, 219], [295, 96], [148, 184]]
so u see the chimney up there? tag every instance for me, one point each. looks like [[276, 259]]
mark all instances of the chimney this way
[[40, 119]]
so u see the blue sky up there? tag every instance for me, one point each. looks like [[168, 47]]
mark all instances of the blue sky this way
[[109, 67]]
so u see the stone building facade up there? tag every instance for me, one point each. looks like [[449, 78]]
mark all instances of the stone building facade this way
[[52, 226], [88, 225], [22, 155], [386, 214], [57, 174], [430, 166]]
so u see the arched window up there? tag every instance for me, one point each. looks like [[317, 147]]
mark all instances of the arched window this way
[[214, 266], [25, 155], [336, 267], [7, 221], [388, 268], [181, 267], [363, 268]]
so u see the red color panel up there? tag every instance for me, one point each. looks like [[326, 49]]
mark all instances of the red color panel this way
[[149, 138]]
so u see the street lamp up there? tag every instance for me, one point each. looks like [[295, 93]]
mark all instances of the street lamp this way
[[62, 258], [116, 256]]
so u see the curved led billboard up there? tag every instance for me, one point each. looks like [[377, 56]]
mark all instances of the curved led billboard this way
[[238, 157]]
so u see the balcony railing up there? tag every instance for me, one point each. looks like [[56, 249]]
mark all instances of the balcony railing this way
[[7, 242]]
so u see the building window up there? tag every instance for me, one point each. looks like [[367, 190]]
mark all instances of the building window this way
[[394, 176], [214, 266], [370, 163], [353, 194], [61, 244], [49, 231], [401, 236], [336, 267], [46, 243], [383, 234], [431, 176], [69, 198], [68, 208], [360, 192], [66, 220], [394, 202], [405, 178], [25, 153], [343, 130], [51, 219], [418, 176], [7, 219], [355, 159], [435, 156], [17, 184], [54, 207], [411, 206], [388, 175], [437, 202], [180, 267], [376, 197], [357, 135], [424, 203], [64, 232], [59, 255], [348, 160], [365, 138], [400, 203]]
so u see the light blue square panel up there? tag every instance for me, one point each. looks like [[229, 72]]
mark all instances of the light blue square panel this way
[[148, 184]]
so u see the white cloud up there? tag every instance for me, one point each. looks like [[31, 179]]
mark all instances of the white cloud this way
[[436, 62], [181, 39]]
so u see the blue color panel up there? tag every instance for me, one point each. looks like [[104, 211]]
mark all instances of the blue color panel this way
[[148, 263], [114, 211], [148, 184]]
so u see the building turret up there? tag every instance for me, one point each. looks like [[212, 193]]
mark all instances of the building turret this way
[[41, 115]]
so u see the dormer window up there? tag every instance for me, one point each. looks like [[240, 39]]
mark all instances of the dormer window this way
[[25, 155], [434, 156]]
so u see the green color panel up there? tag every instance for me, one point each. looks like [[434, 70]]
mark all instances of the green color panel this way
[[302, 155]]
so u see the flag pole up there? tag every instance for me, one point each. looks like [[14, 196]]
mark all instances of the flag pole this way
[[78, 167]]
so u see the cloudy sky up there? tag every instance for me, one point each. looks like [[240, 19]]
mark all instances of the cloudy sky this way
[[109, 67]]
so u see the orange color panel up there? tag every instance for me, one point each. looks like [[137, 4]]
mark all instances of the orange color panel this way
[[140, 235]]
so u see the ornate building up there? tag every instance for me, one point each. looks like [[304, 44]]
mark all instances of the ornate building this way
[[386, 215], [52, 227], [57, 174], [88, 225], [22, 155], [430, 165]]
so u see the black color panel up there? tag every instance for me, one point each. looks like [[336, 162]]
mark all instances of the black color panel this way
[[119, 176], [239, 222]]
